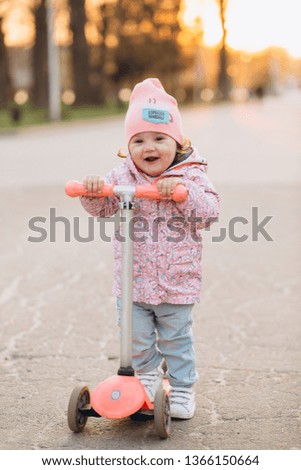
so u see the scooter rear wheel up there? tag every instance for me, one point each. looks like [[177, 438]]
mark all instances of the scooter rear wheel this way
[[78, 399], [162, 417]]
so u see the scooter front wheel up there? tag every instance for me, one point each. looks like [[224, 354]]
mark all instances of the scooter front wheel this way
[[162, 417], [78, 399]]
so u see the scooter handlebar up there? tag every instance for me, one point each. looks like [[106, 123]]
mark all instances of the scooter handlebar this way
[[75, 189]]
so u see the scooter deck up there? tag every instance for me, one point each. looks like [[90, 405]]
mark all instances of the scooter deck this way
[[118, 397], [121, 396]]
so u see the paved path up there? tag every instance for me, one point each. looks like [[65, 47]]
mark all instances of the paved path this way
[[57, 314]]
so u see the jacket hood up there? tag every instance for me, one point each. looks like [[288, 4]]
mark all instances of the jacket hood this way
[[193, 157]]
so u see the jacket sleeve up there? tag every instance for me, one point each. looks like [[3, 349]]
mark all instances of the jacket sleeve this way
[[102, 206], [202, 201]]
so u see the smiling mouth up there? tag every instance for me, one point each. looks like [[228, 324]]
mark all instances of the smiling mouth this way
[[151, 159]]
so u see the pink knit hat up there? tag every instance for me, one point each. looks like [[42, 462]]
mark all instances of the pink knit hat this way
[[151, 109]]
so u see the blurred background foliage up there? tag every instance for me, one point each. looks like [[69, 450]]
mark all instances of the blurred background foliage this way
[[106, 46]]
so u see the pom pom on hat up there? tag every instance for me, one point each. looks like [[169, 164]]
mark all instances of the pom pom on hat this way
[[151, 109]]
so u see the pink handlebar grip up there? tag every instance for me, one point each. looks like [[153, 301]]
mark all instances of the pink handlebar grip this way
[[151, 192], [74, 189]]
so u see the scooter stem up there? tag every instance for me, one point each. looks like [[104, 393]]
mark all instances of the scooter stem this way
[[126, 211], [126, 193]]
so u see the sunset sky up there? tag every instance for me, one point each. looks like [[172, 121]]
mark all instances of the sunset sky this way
[[252, 25]]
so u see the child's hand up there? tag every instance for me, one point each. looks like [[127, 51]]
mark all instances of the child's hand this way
[[93, 183], [166, 186]]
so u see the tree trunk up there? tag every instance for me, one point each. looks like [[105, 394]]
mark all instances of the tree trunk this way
[[4, 73], [40, 68], [80, 53], [223, 77]]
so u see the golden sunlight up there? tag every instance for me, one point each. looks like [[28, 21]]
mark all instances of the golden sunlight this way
[[252, 25], [18, 27], [208, 11]]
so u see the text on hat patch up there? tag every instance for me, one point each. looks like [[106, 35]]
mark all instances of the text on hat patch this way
[[157, 116]]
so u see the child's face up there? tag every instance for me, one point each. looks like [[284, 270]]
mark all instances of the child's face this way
[[152, 152]]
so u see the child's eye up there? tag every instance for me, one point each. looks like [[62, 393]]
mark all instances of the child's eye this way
[[160, 137], [138, 141]]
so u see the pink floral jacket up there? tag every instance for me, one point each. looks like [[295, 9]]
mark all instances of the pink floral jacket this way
[[167, 241]]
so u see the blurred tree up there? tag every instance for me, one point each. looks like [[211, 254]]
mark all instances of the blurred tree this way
[[40, 66], [223, 77], [80, 53], [107, 13], [4, 73], [141, 41]]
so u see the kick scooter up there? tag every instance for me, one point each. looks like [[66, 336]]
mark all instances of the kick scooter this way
[[123, 395]]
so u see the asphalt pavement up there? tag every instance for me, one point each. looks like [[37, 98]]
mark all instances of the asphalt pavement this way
[[58, 321]]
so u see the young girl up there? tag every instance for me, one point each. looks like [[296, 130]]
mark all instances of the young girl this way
[[167, 251]]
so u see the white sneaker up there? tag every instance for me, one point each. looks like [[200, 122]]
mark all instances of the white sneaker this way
[[182, 403], [151, 381]]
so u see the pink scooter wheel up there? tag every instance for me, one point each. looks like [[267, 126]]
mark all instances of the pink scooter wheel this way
[[118, 397]]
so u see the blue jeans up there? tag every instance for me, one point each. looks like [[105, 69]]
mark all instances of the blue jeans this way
[[164, 331]]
